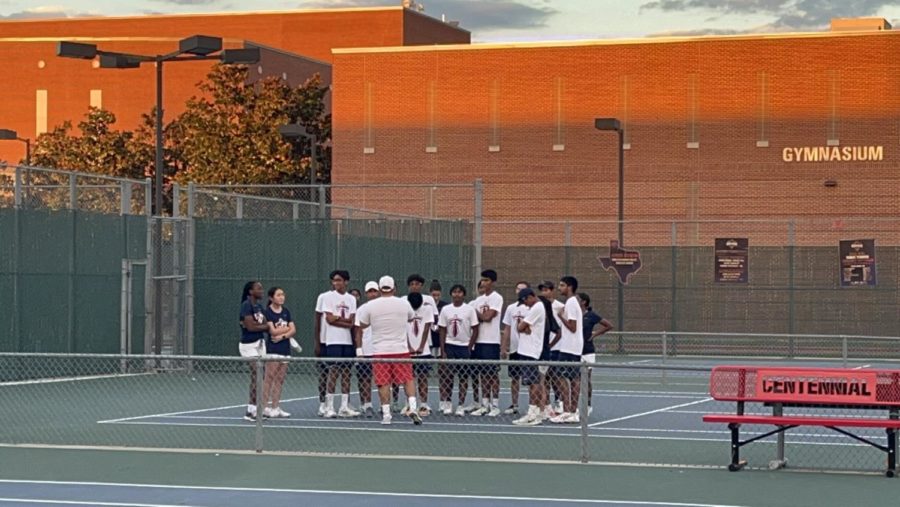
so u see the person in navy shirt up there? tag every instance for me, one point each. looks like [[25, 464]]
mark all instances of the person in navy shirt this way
[[253, 332], [278, 345], [594, 326]]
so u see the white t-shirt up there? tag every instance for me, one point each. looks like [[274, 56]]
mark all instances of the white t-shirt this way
[[319, 309], [514, 314], [531, 344], [388, 317], [414, 329], [341, 305], [572, 342], [429, 303], [459, 321], [489, 332], [557, 306], [367, 349]]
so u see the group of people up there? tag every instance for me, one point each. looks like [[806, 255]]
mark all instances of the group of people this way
[[385, 329]]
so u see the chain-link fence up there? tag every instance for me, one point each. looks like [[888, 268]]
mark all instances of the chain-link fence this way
[[612, 413]]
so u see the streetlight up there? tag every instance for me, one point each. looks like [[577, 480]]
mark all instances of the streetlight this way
[[191, 49], [607, 125], [12, 135], [294, 131]]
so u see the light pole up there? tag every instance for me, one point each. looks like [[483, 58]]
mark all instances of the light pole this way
[[12, 135], [607, 125], [191, 49]]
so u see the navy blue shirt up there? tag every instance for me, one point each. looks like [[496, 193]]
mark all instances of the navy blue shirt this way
[[278, 319], [256, 310], [591, 319], [436, 335]]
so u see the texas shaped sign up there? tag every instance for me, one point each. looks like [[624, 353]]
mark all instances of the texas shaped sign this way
[[624, 262]]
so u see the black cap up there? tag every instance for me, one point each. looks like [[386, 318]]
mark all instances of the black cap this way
[[524, 293]]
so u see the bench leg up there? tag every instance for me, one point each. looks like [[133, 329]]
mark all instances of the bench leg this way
[[891, 452], [736, 463]]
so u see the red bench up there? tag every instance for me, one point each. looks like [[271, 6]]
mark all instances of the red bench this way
[[807, 387]]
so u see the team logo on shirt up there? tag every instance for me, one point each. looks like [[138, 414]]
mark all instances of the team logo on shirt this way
[[343, 309], [454, 325], [259, 317], [281, 323]]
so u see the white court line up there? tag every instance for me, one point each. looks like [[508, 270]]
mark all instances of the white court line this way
[[372, 493], [70, 379], [77, 502], [650, 412], [641, 361], [173, 414], [862, 367]]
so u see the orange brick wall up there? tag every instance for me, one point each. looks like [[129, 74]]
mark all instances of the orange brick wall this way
[[528, 99]]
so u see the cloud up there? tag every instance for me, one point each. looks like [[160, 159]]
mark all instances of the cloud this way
[[472, 14], [786, 14], [188, 2]]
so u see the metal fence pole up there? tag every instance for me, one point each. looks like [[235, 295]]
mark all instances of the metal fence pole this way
[[73, 192], [260, 378], [125, 194], [844, 350], [148, 197], [791, 242], [665, 346], [567, 244], [70, 279], [176, 200], [17, 188], [17, 265], [477, 239], [583, 412], [323, 201], [192, 202], [674, 291], [240, 208]]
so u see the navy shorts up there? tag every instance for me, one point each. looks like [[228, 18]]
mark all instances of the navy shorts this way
[[487, 352], [457, 352], [340, 351], [515, 370], [529, 373], [364, 370], [566, 372], [422, 368]]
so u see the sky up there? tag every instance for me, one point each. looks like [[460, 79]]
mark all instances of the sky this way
[[526, 20]]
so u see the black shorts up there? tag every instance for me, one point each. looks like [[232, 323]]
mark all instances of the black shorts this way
[[338, 351], [422, 368], [529, 373], [515, 370], [457, 352], [566, 372], [364, 370], [487, 352]]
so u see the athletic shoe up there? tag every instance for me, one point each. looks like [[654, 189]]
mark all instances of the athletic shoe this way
[[250, 416], [547, 414], [424, 411], [281, 413], [590, 410], [296, 346], [386, 419], [512, 410], [369, 413], [560, 419], [406, 411], [574, 418], [269, 413], [321, 412], [415, 417], [495, 411], [461, 411], [531, 419], [478, 412], [347, 412], [330, 414], [447, 410], [471, 407], [558, 407]]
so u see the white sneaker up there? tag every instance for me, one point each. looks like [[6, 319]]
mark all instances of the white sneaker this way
[[330, 414], [590, 410], [321, 412], [495, 411], [478, 412], [471, 407], [446, 408], [270, 412], [560, 419], [347, 412], [424, 410], [532, 419], [386, 419], [559, 408], [547, 414], [574, 418], [512, 410], [296, 346], [405, 412], [281, 413], [461, 411]]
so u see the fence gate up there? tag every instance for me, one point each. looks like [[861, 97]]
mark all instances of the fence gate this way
[[168, 310]]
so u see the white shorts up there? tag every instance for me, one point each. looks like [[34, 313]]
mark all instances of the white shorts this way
[[255, 349], [589, 358]]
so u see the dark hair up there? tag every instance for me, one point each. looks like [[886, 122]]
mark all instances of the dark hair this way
[[272, 291], [341, 273], [435, 285], [490, 274], [247, 288], [458, 287], [415, 278], [584, 297], [571, 281], [415, 300], [526, 284], [356, 291], [546, 284]]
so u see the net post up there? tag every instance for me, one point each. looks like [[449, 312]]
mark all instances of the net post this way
[[583, 411], [260, 378]]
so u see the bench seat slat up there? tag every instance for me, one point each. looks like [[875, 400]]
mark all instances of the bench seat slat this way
[[802, 421]]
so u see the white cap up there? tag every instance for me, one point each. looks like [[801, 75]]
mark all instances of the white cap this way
[[386, 283], [371, 286]]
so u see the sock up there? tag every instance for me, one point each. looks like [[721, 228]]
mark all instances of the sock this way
[[386, 410], [345, 400], [533, 410], [329, 401], [485, 402], [412, 403], [251, 409], [367, 405], [322, 405]]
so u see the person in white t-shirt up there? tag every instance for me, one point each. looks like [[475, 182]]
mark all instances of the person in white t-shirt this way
[[569, 348], [319, 349], [458, 328], [547, 290], [388, 316], [475, 406], [488, 307], [426, 316], [339, 308], [363, 340], [509, 345], [531, 346]]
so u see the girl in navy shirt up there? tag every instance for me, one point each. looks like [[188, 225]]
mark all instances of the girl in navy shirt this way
[[278, 345], [253, 331]]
